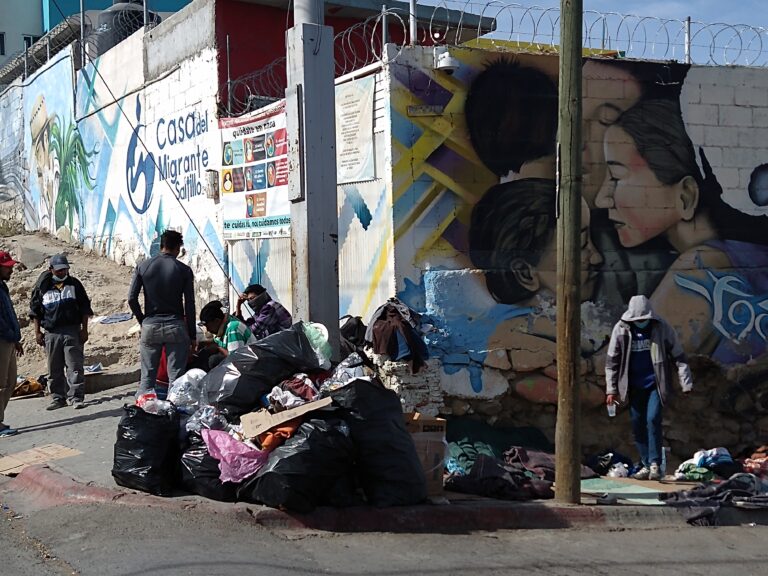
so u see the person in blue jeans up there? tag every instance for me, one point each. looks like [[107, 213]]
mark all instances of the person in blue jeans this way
[[641, 352], [168, 317]]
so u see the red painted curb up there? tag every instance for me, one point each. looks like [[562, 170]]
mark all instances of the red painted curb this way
[[40, 487]]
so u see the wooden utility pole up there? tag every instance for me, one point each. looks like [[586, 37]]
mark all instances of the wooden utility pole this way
[[567, 433]]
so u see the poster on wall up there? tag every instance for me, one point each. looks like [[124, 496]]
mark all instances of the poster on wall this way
[[254, 175], [354, 131]]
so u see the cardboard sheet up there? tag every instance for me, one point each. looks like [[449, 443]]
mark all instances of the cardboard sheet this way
[[257, 422], [14, 463]]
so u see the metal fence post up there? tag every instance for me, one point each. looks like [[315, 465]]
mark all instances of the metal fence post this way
[[688, 40]]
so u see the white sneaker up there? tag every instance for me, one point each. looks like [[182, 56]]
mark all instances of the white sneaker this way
[[654, 473], [642, 474]]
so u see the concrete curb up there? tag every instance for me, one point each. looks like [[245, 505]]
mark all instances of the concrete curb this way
[[40, 487], [115, 377]]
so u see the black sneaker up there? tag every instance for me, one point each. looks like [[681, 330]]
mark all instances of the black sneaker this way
[[56, 404]]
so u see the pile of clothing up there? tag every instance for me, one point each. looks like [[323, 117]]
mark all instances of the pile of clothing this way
[[349, 446], [706, 465]]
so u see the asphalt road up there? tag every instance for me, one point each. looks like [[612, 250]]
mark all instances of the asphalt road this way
[[111, 540]]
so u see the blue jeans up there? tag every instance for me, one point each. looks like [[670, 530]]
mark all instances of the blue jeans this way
[[645, 413], [174, 336]]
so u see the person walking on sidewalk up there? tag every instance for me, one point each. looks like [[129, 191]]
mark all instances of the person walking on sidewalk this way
[[60, 305], [168, 318], [10, 341], [642, 348], [268, 317]]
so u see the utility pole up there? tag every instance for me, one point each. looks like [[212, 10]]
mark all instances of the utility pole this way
[[311, 123], [567, 434]]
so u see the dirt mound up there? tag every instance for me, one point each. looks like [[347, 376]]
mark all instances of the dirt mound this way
[[107, 285]]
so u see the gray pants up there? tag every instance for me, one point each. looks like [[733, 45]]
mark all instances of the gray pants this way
[[174, 336], [65, 351]]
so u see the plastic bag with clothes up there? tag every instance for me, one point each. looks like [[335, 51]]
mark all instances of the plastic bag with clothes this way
[[206, 417], [146, 451], [237, 384], [186, 391], [314, 467], [200, 473], [388, 465], [283, 399], [237, 460], [351, 368]]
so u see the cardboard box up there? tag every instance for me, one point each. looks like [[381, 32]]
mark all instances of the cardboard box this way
[[256, 423], [429, 438]]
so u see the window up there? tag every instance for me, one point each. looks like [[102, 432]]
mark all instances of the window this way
[[2, 43], [29, 40]]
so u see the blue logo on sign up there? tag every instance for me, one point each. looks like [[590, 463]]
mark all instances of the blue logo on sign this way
[[135, 168]]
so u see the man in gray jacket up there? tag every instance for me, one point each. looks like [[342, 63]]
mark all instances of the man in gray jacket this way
[[168, 318], [642, 349]]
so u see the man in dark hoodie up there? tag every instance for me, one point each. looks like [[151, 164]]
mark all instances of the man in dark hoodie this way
[[638, 365], [60, 305]]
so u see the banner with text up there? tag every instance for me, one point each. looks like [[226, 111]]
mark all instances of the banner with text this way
[[354, 131], [254, 175]]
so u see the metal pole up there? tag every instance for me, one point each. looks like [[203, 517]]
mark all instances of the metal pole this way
[[308, 12], [26, 69], [229, 83], [146, 14], [310, 104], [412, 22], [383, 26], [567, 436], [82, 33], [688, 40]]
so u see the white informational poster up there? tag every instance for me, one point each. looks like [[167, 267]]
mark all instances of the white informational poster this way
[[354, 131], [254, 175]]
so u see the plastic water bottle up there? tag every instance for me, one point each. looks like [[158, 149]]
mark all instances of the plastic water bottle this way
[[663, 467], [612, 409]]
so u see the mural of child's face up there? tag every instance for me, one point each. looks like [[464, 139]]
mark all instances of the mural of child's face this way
[[640, 206], [607, 92], [591, 260]]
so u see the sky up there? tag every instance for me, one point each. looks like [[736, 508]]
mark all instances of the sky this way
[[753, 12]]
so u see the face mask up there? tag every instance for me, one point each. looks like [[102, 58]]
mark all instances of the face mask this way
[[59, 278], [258, 301], [642, 323]]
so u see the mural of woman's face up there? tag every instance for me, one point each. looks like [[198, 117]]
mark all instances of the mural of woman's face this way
[[591, 259], [640, 206], [607, 92]]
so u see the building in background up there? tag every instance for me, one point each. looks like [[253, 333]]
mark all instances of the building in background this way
[[21, 25], [52, 11]]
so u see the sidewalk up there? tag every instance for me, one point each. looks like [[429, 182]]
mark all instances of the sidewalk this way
[[86, 479]]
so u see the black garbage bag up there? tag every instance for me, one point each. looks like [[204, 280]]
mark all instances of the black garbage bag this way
[[200, 473], [146, 451], [314, 467], [236, 385], [388, 466]]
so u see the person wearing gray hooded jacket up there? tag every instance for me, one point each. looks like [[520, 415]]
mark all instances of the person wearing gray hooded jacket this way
[[641, 352]]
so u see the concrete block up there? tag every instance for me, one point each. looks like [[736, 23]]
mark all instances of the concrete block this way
[[720, 136], [753, 137], [113, 377], [717, 94], [760, 117], [705, 114], [734, 116], [715, 156], [728, 177], [695, 132], [749, 96], [741, 157]]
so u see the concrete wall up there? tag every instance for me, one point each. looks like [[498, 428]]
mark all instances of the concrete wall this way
[[474, 191], [84, 172]]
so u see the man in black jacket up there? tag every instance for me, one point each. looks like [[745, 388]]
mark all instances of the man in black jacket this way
[[168, 318], [60, 305]]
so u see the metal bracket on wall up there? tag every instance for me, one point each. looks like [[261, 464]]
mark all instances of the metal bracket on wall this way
[[294, 97]]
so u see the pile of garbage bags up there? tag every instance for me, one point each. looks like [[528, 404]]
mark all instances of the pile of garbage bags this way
[[352, 449]]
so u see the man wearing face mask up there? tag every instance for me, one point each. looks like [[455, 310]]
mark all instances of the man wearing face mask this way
[[60, 305], [641, 352], [267, 317]]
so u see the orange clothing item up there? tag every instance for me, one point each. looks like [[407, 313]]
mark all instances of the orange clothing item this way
[[275, 437]]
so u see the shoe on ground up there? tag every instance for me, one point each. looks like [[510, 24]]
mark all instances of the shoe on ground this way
[[6, 430], [654, 473], [56, 404], [78, 403], [642, 474]]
